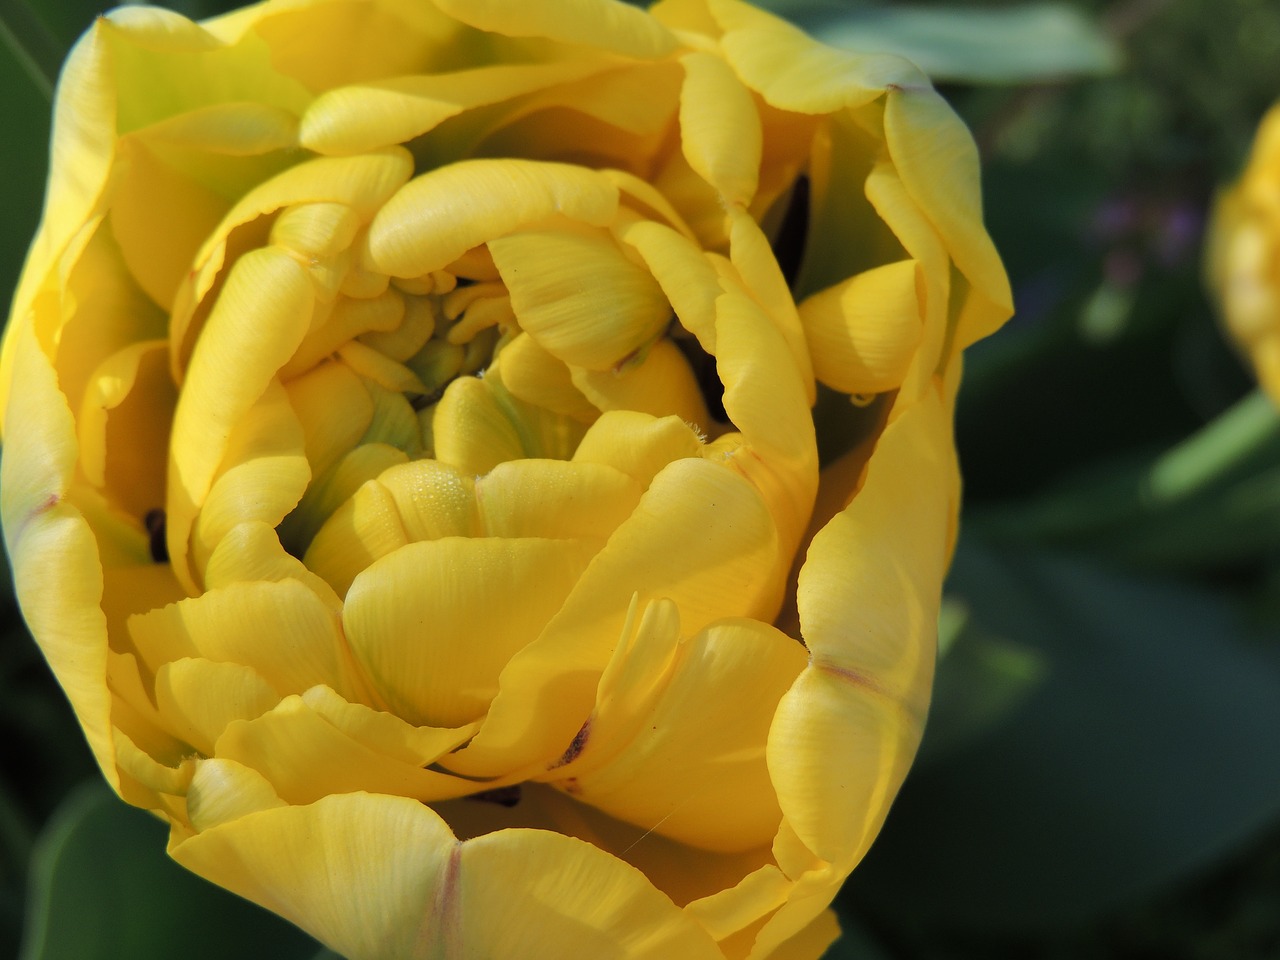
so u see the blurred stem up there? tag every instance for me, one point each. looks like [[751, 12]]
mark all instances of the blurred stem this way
[[32, 45]]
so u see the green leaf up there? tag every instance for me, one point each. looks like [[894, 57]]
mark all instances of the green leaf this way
[[1028, 42], [103, 888], [1146, 748], [1211, 499]]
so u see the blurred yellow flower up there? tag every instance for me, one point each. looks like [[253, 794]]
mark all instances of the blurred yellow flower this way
[[410, 468], [1244, 255]]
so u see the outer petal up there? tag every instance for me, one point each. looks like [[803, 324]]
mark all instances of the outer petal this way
[[938, 162], [561, 897], [57, 570], [382, 878], [610, 26], [794, 72], [82, 155], [358, 871], [868, 597], [351, 120]]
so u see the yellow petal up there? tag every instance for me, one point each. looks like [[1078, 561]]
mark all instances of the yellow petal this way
[[56, 569], [644, 196], [334, 410], [753, 257], [432, 499], [730, 910], [81, 157], [306, 757], [356, 119], [601, 26], [681, 872], [765, 398], [686, 277], [257, 323], [358, 871], [366, 527], [810, 943], [198, 698], [362, 183], [410, 335], [694, 770], [793, 72], [395, 378], [638, 444], [579, 297], [639, 100], [802, 919], [281, 629], [316, 229], [938, 162], [146, 772], [329, 491], [251, 552], [378, 877], [238, 128], [868, 597], [124, 426], [394, 422], [660, 383], [263, 477], [96, 311], [556, 499], [435, 622], [376, 39], [384, 732], [160, 251], [437, 217], [535, 376], [145, 41], [910, 224], [473, 431], [222, 790], [720, 128], [548, 688], [863, 333], [560, 897]]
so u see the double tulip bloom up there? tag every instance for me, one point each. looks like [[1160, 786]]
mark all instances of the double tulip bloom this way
[[411, 471]]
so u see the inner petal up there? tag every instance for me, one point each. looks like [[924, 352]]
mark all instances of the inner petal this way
[[435, 622]]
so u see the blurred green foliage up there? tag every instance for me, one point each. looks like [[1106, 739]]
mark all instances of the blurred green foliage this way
[[1100, 776]]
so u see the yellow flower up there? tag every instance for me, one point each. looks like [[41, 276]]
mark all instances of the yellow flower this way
[[1244, 256], [410, 467]]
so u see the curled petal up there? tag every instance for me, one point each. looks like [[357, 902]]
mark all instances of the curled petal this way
[[868, 598], [864, 332], [437, 217]]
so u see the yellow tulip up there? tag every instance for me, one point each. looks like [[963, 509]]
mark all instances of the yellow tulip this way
[[1244, 256], [410, 468]]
